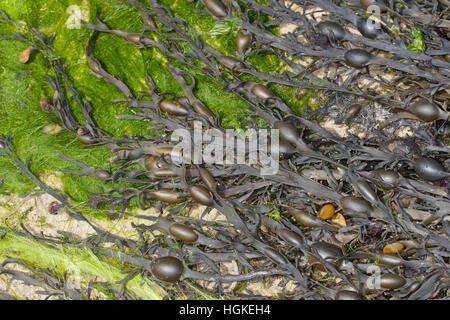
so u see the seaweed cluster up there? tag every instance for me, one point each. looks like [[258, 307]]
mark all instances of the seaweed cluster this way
[[359, 216]]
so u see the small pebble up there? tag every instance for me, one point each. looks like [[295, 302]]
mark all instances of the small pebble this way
[[393, 248], [327, 212]]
